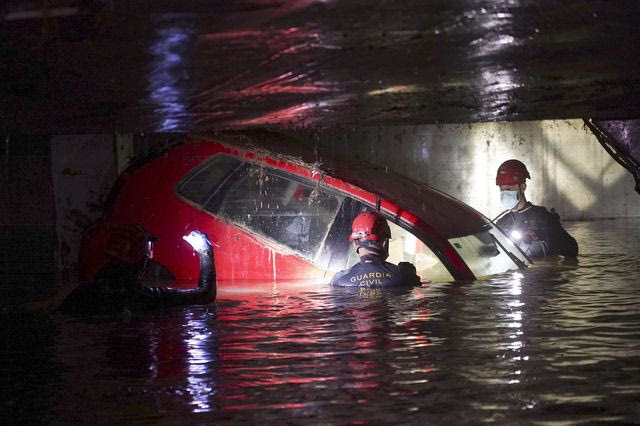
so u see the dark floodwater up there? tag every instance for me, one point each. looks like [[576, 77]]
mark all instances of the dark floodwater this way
[[558, 343]]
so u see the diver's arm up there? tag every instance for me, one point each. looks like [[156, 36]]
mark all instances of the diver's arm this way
[[206, 290], [203, 294], [558, 239], [560, 242]]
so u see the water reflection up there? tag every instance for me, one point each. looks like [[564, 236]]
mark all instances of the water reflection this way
[[555, 343], [202, 359], [514, 315]]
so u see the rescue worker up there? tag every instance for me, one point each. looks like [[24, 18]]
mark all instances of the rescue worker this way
[[537, 231], [119, 285], [370, 234]]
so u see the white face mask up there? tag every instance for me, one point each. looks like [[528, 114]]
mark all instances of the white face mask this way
[[509, 199]]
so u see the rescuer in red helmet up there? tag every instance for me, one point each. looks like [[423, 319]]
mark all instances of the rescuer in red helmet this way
[[537, 231], [370, 235], [119, 285]]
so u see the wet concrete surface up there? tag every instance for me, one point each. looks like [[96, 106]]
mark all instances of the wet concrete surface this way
[[195, 65], [557, 343]]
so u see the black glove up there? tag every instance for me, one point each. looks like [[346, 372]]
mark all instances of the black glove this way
[[409, 270]]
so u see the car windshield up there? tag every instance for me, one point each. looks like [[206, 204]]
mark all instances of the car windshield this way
[[488, 252]]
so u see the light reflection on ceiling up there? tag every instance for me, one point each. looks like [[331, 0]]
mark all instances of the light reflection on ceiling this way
[[165, 87]]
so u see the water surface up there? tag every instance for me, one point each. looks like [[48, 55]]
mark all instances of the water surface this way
[[558, 343]]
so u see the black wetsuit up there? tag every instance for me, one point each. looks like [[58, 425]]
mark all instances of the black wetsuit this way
[[552, 237], [372, 271], [119, 287]]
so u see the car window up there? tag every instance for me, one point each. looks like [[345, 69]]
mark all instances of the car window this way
[[283, 207], [486, 252], [202, 185], [406, 247]]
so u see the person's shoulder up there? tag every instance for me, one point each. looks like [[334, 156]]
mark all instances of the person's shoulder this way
[[391, 266], [503, 219], [340, 274], [344, 273], [536, 207], [543, 211]]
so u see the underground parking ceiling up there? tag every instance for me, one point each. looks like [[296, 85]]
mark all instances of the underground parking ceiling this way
[[185, 65]]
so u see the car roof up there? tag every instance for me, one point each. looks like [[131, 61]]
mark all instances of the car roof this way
[[447, 215]]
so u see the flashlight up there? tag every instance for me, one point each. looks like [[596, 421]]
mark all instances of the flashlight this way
[[150, 249], [198, 241], [516, 235]]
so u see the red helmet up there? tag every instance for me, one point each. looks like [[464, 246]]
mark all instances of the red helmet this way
[[512, 172], [129, 243], [370, 226]]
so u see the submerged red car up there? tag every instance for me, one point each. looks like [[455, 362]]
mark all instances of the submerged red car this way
[[278, 212]]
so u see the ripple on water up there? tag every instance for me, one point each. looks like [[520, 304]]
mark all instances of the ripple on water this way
[[558, 343]]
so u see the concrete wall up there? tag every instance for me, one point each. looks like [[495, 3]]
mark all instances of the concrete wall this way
[[570, 170], [83, 169]]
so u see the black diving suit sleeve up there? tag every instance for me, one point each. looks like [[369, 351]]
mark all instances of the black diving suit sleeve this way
[[558, 239], [203, 294]]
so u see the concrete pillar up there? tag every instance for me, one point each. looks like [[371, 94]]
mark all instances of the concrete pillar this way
[[84, 167]]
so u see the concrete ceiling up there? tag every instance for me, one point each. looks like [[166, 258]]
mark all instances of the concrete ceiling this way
[[81, 66]]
